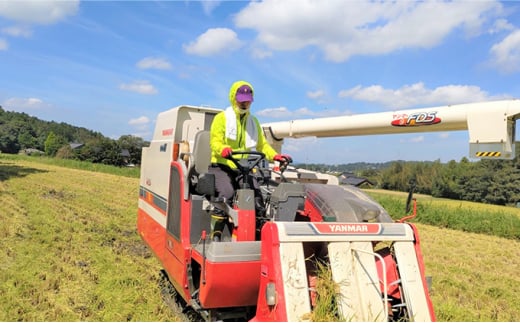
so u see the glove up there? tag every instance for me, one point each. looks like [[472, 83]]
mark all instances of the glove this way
[[226, 152], [283, 158]]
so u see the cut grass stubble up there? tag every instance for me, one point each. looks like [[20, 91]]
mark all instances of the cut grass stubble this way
[[69, 251]]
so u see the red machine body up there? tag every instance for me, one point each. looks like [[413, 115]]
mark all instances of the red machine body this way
[[261, 270]]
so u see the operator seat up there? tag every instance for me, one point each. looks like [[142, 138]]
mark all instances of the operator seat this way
[[201, 152], [200, 181]]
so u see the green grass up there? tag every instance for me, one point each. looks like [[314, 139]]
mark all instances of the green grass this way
[[475, 276], [471, 250], [327, 308], [77, 164], [500, 221], [69, 251]]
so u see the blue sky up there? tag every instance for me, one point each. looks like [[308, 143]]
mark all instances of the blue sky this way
[[113, 66]]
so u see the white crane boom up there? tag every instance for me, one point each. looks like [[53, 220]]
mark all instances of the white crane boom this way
[[491, 125]]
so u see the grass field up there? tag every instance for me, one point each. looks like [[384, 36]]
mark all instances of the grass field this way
[[69, 251]]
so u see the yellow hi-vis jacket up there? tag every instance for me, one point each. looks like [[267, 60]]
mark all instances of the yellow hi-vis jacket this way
[[219, 140]]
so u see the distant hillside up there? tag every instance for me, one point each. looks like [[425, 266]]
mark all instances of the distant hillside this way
[[20, 131], [487, 181], [351, 167]]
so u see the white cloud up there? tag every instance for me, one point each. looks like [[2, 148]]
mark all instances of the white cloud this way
[[295, 145], [142, 87], [209, 6], [281, 112], [318, 94], [285, 113], [214, 41], [139, 121], [260, 53], [417, 139], [141, 124], [3, 44], [500, 25], [413, 140], [154, 63], [24, 104], [418, 95], [38, 12], [506, 54], [342, 29], [17, 31], [304, 112]]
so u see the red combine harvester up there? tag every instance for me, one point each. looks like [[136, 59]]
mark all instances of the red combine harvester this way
[[264, 268]]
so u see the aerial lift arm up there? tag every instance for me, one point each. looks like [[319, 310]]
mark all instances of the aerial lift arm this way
[[491, 125]]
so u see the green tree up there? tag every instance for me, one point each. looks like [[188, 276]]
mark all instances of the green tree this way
[[134, 146], [397, 176], [65, 152], [9, 139], [53, 143], [101, 150]]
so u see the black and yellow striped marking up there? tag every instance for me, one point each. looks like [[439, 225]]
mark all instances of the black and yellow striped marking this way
[[488, 154]]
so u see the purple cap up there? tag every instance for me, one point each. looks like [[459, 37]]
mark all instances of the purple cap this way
[[244, 93]]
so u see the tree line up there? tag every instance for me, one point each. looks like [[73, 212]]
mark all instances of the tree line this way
[[20, 132], [485, 181]]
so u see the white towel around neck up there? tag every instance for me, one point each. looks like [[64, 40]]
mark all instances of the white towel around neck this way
[[231, 128]]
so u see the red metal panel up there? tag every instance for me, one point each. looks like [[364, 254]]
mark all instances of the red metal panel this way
[[175, 265], [418, 254], [271, 272], [246, 229], [152, 233], [230, 284], [178, 251]]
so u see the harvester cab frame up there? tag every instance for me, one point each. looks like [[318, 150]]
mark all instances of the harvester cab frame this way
[[376, 263]]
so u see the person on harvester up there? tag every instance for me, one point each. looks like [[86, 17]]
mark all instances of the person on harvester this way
[[236, 129]]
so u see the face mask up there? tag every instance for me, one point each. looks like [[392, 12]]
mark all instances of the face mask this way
[[242, 111]]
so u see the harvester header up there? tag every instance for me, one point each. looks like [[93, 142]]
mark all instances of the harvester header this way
[[491, 125], [265, 266]]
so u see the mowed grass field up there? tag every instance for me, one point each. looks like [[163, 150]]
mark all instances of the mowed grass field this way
[[69, 251]]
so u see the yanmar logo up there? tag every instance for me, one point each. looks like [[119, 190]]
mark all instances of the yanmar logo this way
[[415, 119], [167, 132], [347, 228]]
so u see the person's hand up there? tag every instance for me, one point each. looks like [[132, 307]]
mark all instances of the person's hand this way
[[283, 158], [226, 152]]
